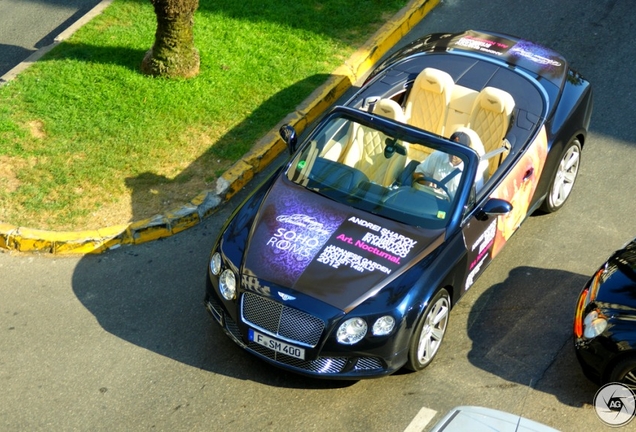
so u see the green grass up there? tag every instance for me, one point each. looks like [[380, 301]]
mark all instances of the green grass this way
[[87, 140]]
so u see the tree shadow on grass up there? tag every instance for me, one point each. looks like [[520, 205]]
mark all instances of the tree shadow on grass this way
[[153, 194], [128, 58], [329, 17]]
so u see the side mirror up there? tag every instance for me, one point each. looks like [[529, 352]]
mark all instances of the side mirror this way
[[288, 134], [494, 207]]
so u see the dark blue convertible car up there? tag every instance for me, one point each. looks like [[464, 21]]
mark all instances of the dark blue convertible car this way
[[346, 262]]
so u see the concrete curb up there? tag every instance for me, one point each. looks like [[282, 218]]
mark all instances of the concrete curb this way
[[99, 8], [265, 150]]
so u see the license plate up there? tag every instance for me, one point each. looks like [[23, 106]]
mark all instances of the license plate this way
[[276, 345]]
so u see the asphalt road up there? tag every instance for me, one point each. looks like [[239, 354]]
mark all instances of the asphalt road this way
[[121, 341], [28, 25]]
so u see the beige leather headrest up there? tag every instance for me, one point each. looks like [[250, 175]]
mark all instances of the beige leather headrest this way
[[434, 80], [496, 100], [389, 108]]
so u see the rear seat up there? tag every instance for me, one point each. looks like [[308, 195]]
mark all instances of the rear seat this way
[[490, 117], [427, 103], [436, 104]]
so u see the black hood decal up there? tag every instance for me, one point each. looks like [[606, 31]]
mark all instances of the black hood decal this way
[[329, 251]]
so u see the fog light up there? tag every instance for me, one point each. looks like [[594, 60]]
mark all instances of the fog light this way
[[383, 326], [215, 264], [351, 331], [227, 285]]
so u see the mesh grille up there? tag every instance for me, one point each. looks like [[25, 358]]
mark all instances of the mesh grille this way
[[289, 317], [328, 365], [215, 310], [368, 363], [231, 326], [280, 320]]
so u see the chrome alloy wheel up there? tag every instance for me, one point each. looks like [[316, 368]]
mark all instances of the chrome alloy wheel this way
[[630, 379], [433, 331], [565, 176]]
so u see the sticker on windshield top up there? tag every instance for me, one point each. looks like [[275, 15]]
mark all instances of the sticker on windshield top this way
[[533, 53]]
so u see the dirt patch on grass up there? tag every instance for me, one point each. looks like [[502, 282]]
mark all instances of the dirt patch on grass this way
[[8, 168], [36, 128], [138, 198], [151, 194]]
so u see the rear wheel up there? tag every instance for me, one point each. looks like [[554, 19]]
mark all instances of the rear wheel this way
[[430, 331], [564, 178], [625, 372]]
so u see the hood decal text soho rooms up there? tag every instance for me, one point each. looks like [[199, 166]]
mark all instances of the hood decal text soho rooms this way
[[294, 233]]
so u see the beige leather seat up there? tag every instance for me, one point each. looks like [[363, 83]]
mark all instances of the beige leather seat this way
[[427, 103], [366, 148], [490, 117]]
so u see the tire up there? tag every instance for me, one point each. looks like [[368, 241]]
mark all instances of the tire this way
[[564, 178], [429, 333], [625, 372]]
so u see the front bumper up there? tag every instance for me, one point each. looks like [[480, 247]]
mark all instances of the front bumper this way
[[590, 361], [325, 365]]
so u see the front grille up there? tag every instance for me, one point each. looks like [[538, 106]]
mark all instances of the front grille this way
[[326, 365], [282, 313], [280, 320]]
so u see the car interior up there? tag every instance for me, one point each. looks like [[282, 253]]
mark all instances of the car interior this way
[[469, 97]]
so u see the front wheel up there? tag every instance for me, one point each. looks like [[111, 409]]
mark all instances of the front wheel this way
[[564, 178], [625, 372], [430, 331]]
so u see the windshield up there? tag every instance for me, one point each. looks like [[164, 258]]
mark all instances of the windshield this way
[[365, 168]]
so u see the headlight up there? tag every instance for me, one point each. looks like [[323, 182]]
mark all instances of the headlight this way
[[227, 284], [215, 264], [593, 325], [351, 331], [383, 326]]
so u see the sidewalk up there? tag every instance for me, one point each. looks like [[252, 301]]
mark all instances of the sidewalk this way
[[21, 239]]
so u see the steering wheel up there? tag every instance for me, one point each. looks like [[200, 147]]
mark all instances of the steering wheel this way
[[427, 183]]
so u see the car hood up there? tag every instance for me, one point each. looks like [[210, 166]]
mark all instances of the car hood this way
[[618, 288], [327, 250]]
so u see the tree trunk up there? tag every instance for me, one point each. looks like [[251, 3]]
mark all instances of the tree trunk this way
[[173, 53]]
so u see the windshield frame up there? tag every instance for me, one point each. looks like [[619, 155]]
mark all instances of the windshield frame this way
[[404, 133]]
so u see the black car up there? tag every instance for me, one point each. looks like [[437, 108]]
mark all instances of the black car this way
[[605, 321], [347, 261]]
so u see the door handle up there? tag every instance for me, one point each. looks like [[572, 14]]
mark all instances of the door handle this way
[[528, 174]]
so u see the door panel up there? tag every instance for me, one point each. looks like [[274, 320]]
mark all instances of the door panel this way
[[485, 238]]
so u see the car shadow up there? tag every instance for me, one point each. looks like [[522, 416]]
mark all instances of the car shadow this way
[[135, 295], [521, 331], [151, 296]]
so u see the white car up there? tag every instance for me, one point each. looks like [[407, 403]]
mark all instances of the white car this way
[[479, 419]]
